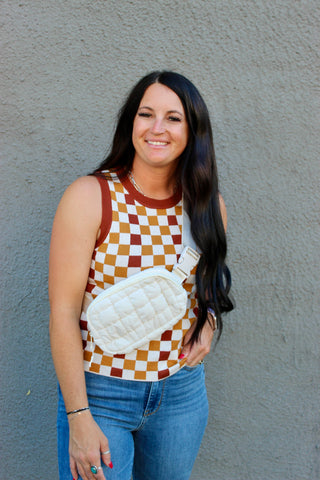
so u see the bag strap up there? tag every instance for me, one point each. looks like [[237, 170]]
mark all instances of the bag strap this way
[[187, 261], [187, 239], [189, 256]]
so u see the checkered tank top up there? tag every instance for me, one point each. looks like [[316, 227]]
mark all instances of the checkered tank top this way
[[137, 232]]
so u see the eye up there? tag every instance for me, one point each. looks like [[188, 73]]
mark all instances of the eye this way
[[144, 114], [173, 118]]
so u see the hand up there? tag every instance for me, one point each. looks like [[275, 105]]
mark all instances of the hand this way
[[195, 353], [86, 446]]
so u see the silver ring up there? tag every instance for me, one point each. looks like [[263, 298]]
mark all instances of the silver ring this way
[[95, 469], [105, 453]]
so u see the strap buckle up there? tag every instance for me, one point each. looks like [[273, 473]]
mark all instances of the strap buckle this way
[[187, 261]]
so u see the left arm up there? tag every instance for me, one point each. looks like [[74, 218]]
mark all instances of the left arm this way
[[196, 352]]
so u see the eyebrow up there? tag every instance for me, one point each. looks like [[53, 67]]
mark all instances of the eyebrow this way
[[169, 111]]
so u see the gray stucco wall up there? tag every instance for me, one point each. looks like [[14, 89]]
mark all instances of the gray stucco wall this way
[[66, 66]]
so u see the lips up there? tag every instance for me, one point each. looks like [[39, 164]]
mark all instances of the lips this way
[[157, 143]]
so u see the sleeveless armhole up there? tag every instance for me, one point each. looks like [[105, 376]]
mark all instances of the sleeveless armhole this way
[[106, 210]]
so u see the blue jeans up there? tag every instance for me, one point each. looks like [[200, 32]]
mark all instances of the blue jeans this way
[[154, 429]]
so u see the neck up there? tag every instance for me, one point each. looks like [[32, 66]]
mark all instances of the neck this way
[[153, 182]]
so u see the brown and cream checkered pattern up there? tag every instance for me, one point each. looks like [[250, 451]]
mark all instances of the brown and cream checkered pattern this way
[[143, 233]]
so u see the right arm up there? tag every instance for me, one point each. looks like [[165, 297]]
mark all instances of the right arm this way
[[74, 233]]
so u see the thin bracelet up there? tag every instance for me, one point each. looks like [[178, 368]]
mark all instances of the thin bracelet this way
[[214, 317], [78, 410]]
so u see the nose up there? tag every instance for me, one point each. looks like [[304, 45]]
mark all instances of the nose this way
[[157, 126]]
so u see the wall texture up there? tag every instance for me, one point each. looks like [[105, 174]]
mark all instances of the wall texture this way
[[66, 66]]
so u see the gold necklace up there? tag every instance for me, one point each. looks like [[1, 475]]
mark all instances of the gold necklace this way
[[134, 183], [137, 187]]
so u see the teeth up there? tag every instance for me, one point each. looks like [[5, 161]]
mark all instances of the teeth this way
[[157, 143]]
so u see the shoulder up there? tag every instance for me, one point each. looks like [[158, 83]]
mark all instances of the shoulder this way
[[85, 192], [83, 186], [81, 201], [223, 211]]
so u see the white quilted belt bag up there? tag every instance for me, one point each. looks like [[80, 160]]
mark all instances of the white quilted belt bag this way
[[140, 308]]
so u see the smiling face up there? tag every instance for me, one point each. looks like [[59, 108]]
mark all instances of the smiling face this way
[[160, 129]]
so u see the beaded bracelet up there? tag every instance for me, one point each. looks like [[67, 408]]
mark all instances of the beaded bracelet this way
[[78, 410], [212, 312]]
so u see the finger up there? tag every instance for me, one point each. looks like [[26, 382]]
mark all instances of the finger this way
[[82, 473], [106, 457], [95, 467], [193, 360], [187, 347], [73, 468], [193, 363], [184, 353], [96, 472], [194, 354]]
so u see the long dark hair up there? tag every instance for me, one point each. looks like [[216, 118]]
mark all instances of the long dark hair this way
[[197, 173]]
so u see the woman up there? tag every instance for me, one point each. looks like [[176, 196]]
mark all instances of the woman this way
[[143, 413]]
